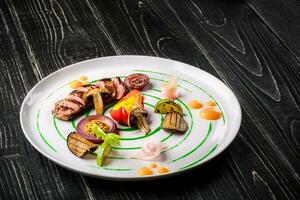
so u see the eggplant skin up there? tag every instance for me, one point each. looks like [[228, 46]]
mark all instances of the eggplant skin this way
[[166, 106], [79, 146], [174, 122]]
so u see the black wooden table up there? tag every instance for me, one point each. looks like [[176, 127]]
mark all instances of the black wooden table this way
[[252, 46]]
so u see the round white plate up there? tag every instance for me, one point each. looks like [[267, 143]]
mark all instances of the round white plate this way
[[203, 140]]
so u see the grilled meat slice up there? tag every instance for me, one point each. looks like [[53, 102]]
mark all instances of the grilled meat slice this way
[[109, 85], [106, 83], [121, 88], [115, 86], [73, 104]]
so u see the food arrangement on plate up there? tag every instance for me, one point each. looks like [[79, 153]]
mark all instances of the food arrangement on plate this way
[[98, 134]]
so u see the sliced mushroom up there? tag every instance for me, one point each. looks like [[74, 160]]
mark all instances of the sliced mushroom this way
[[97, 98], [98, 103], [79, 146], [174, 122], [90, 93], [137, 117], [108, 84]]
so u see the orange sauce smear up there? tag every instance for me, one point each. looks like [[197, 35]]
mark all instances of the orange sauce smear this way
[[195, 104], [145, 171], [153, 165], [211, 103], [83, 78], [162, 169], [210, 114], [75, 84]]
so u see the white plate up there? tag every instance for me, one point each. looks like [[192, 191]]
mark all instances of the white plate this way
[[202, 142]]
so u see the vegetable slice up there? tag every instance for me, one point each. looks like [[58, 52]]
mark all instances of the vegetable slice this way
[[78, 145], [102, 153], [138, 117], [92, 137], [109, 140], [167, 106], [130, 111], [174, 122], [98, 103]]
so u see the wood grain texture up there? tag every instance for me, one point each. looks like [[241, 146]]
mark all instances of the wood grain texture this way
[[226, 38], [284, 23]]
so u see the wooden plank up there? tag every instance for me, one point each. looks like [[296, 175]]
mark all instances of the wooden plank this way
[[250, 59], [257, 73], [282, 17], [24, 173], [227, 39]]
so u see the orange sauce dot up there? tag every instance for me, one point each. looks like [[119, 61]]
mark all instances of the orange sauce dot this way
[[210, 114], [211, 103], [162, 169], [145, 171], [153, 165], [195, 104], [83, 78], [75, 84]]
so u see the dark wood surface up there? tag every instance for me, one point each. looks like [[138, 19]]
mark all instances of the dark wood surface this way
[[252, 46]]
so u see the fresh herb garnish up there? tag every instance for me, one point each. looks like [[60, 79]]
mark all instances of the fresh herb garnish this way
[[109, 140]]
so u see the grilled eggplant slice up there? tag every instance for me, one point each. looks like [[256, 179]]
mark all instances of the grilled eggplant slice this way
[[165, 106], [174, 122], [80, 146]]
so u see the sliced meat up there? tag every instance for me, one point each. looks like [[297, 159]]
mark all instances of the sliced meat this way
[[73, 104], [109, 85], [75, 98], [81, 89], [106, 83], [120, 87], [136, 81], [69, 104], [115, 85]]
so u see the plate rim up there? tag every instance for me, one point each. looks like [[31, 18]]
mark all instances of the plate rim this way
[[53, 159]]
